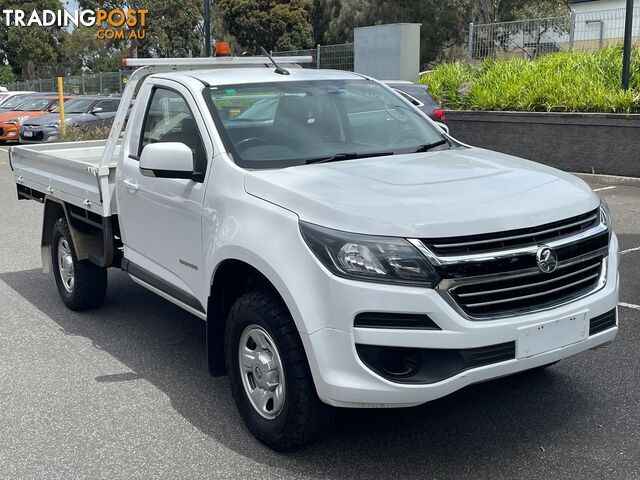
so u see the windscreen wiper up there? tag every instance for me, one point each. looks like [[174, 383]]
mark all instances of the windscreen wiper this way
[[429, 146], [347, 156]]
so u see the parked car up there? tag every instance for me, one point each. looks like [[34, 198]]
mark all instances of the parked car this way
[[343, 252], [35, 106], [4, 96], [86, 111], [418, 95], [14, 101]]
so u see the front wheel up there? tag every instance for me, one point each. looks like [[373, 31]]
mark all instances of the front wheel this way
[[81, 284], [269, 374]]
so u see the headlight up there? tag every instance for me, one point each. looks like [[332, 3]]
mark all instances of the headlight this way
[[17, 120], [53, 124], [369, 258]]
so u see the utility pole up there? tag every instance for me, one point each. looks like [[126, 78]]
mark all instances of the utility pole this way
[[207, 29], [626, 56]]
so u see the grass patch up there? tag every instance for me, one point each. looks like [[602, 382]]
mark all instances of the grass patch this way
[[557, 82], [79, 133]]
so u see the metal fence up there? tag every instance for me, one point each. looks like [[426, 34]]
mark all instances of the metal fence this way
[[582, 31], [336, 57], [89, 84]]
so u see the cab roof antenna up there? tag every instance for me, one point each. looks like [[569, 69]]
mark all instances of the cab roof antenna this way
[[279, 70]]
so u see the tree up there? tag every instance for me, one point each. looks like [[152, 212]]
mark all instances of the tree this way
[[443, 23], [31, 51], [6, 74], [492, 11], [174, 29], [274, 25], [82, 52]]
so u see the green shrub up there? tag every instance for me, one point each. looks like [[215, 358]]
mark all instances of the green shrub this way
[[79, 133], [557, 82]]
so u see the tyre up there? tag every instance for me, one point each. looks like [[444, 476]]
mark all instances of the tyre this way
[[81, 284], [269, 374]]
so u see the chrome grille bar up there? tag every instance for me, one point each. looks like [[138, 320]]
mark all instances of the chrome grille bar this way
[[586, 221], [529, 285], [533, 295]]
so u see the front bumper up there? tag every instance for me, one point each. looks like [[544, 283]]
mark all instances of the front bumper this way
[[38, 133], [9, 131], [342, 378]]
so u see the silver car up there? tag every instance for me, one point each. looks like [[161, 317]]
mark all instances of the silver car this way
[[85, 111]]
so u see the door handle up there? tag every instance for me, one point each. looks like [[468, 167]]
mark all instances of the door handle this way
[[130, 185]]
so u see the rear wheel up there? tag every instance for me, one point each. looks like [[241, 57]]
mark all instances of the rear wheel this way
[[81, 284], [269, 374]]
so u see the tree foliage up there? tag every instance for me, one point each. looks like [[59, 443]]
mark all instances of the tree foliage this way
[[443, 23], [6, 74], [274, 25], [34, 50]]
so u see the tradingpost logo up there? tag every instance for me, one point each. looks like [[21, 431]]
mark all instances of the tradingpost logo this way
[[111, 23]]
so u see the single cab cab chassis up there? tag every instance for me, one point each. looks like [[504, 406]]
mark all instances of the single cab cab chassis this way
[[343, 249]]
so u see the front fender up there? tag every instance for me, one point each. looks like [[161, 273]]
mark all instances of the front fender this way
[[268, 238]]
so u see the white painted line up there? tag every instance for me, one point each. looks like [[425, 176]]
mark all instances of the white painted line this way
[[4, 149], [604, 188], [629, 250], [629, 305]]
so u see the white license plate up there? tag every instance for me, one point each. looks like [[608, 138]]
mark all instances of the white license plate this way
[[27, 133], [551, 335]]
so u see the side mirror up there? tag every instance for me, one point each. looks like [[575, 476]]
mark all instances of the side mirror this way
[[96, 110], [167, 160], [443, 127]]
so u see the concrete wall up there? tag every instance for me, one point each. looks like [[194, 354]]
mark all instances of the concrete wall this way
[[576, 142], [388, 52]]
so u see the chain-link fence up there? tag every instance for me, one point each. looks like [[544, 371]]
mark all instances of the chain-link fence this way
[[335, 57], [90, 84], [583, 31]]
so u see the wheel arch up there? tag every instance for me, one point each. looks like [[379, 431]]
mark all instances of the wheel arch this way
[[231, 278], [55, 209]]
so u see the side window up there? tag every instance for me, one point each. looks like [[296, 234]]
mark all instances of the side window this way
[[107, 106], [169, 119]]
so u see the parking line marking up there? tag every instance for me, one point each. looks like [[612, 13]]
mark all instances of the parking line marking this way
[[629, 250], [629, 305], [604, 188]]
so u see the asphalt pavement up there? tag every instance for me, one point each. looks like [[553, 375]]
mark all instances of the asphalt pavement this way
[[123, 392]]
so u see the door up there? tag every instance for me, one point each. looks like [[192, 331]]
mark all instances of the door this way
[[108, 113], [161, 218]]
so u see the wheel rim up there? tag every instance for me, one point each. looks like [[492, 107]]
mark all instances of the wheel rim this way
[[65, 265], [261, 371]]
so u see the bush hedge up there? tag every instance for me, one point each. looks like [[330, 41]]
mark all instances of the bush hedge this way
[[557, 82]]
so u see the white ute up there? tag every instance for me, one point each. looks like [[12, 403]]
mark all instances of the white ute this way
[[342, 248]]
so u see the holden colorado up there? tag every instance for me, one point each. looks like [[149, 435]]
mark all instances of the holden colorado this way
[[343, 249]]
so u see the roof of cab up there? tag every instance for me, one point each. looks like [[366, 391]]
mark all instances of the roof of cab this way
[[236, 76]]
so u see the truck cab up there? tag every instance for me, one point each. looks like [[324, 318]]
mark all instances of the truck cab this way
[[343, 250]]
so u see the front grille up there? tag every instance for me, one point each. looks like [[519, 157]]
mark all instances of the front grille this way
[[524, 291], [514, 238]]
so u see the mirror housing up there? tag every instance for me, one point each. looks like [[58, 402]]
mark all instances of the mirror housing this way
[[443, 127], [167, 160], [95, 110]]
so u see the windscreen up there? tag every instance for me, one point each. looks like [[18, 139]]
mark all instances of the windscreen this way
[[78, 105], [14, 101], [35, 104], [297, 122]]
